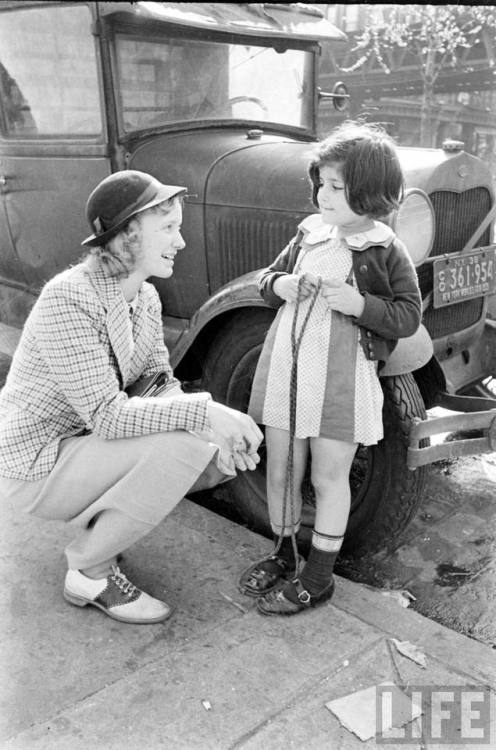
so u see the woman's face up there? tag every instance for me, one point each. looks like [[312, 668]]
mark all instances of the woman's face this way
[[161, 240]]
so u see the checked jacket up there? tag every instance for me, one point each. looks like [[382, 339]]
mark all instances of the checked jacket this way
[[76, 355]]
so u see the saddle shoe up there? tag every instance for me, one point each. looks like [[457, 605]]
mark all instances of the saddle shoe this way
[[116, 596]]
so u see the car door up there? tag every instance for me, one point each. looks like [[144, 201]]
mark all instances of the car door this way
[[53, 147]]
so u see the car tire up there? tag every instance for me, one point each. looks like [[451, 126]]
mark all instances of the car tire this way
[[385, 494]]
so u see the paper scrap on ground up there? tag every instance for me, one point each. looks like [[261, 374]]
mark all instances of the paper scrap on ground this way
[[357, 712], [409, 649], [404, 598]]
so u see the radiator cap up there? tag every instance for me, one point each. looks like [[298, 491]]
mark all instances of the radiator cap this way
[[453, 147]]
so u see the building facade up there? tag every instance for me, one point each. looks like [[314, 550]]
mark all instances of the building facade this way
[[463, 105]]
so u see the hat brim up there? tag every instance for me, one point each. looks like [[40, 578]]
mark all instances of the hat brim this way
[[165, 193]]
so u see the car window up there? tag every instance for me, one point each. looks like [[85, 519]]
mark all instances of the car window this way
[[48, 73], [165, 80]]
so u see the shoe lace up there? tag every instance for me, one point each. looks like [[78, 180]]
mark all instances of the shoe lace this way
[[121, 581]]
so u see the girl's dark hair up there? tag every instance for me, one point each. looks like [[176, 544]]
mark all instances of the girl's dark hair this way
[[368, 162]]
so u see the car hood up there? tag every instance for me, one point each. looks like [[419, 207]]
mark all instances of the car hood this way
[[238, 169]]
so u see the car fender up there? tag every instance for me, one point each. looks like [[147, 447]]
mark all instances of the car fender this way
[[410, 353], [240, 292]]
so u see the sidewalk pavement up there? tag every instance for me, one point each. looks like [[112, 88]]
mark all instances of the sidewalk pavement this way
[[214, 676]]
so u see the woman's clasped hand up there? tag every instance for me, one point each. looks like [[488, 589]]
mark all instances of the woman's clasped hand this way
[[240, 432]]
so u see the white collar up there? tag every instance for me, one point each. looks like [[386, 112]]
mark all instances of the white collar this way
[[316, 231]]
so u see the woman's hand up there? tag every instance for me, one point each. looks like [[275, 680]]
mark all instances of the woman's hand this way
[[240, 432], [244, 461], [287, 286], [342, 297]]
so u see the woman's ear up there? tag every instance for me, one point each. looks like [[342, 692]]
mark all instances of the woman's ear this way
[[133, 230]]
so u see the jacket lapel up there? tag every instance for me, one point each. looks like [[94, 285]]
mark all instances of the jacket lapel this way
[[117, 317], [120, 336], [143, 332]]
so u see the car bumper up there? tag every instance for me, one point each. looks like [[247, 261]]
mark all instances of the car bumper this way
[[474, 415]]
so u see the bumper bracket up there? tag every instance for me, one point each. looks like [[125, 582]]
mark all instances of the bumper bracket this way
[[482, 422]]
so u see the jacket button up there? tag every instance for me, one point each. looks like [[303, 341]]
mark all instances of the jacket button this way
[[370, 347], [363, 269], [369, 334]]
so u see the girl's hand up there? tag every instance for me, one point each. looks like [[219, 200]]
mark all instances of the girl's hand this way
[[342, 297], [286, 286]]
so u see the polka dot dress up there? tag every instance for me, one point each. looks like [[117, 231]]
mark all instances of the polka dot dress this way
[[338, 392]]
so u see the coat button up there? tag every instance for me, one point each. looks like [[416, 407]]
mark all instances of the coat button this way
[[369, 334], [363, 269], [370, 347]]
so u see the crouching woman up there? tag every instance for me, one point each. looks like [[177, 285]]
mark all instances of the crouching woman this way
[[74, 444]]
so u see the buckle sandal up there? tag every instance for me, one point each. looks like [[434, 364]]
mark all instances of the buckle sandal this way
[[116, 596], [276, 603], [265, 575]]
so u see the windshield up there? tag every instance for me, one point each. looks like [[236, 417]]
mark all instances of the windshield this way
[[161, 81]]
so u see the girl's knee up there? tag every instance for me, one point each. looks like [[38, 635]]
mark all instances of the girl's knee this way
[[324, 480], [331, 463], [323, 486]]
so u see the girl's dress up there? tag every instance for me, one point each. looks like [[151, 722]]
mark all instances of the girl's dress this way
[[338, 391]]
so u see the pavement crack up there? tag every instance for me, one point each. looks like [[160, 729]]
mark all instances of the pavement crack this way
[[305, 689]]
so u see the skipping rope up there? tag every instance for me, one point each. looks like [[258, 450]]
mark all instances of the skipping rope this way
[[289, 498]]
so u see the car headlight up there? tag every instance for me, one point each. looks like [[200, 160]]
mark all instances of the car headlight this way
[[415, 223]]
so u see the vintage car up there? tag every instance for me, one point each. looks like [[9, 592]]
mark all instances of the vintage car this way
[[223, 98]]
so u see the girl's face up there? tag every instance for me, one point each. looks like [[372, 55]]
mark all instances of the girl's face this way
[[161, 240], [333, 204]]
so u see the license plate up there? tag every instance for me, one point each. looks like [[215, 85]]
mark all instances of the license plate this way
[[462, 277]]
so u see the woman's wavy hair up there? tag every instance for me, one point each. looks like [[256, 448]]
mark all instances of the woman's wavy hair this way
[[369, 165], [121, 253]]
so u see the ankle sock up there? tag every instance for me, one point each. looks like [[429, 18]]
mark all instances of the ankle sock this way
[[318, 571]]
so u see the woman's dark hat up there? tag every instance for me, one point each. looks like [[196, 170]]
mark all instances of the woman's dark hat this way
[[121, 196]]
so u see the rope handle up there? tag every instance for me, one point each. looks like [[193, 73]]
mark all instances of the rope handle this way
[[288, 482], [293, 385]]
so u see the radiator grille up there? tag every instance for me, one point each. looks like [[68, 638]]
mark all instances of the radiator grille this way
[[247, 244], [457, 217]]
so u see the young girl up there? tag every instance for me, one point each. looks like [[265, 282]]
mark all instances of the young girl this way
[[362, 288]]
